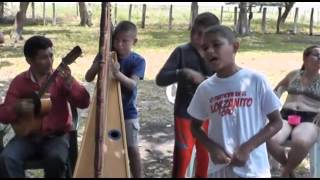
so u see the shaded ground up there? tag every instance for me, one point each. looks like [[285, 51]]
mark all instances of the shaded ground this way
[[156, 137]]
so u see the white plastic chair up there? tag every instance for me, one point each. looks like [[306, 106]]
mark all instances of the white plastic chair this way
[[171, 92], [314, 158]]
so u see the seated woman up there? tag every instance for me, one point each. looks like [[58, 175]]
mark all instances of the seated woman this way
[[301, 112]]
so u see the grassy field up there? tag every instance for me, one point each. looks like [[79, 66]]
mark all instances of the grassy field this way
[[274, 55]]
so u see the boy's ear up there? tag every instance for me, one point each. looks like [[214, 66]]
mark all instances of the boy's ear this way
[[135, 41], [236, 46]]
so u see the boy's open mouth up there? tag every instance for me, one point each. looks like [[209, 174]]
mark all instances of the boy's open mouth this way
[[213, 59]]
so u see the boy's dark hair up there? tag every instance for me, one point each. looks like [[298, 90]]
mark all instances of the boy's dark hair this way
[[223, 31], [125, 26], [205, 20], [308, 51], [34, 44]]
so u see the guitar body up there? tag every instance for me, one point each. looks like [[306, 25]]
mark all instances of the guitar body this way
[[27, 126], [32, 123]]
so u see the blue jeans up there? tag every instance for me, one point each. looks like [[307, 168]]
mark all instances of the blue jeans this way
[[52, 149]]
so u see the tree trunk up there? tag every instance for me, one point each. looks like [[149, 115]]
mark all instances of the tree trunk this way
[[84, 15], [278, 21], [243, 20], [311, 23], [1, 9], [250, 18], [194, 13], [19, 22], [288, 7]]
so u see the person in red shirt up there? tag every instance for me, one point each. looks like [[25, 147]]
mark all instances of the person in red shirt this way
[[51, 143]]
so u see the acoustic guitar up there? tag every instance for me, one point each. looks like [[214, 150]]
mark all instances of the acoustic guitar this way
[[31, 124]]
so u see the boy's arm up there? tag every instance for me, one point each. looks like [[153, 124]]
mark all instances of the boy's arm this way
[[241, 155], [170, 71], [92, 72], [128, 82], [217, 153]]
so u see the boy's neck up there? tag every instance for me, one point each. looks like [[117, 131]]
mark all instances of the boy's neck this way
[[228, 71], [123, 56]]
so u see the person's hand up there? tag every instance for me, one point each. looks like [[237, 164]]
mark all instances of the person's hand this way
[[240, 156], [219, 156], [193, 75], [24, 107], [115, 68], [65, 73]]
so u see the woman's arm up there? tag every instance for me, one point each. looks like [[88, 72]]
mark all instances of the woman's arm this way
[[284, 83]]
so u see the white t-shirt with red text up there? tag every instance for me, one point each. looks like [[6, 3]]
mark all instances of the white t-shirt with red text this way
[[237, 107]]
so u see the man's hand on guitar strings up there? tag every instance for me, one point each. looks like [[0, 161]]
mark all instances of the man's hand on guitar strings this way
[[65, 73]]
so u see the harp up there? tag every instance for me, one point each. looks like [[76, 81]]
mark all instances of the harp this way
[[103, 152]]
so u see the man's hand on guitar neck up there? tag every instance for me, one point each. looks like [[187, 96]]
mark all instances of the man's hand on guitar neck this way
[[25, 107], [65, 73]]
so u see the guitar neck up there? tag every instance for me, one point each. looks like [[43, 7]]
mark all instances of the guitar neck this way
[[46, 86]]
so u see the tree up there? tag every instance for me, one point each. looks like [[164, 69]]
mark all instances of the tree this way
[[288, 6], [194, 13], [242, 27], [16, 33], [84, 15]]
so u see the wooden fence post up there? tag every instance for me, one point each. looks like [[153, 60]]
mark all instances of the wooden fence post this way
[[54, 20], [295, 26], [77, 9], [130, 9], [221, 14], [263, 23], [170, 17], [33, 12], [311, 22], [115, 14], [144, 8], [235, 18], [278, 21], [44, 13]]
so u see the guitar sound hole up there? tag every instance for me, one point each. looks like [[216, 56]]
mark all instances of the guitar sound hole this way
[[114, 134]]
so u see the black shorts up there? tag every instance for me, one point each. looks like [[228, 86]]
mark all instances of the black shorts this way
[[305, 116]]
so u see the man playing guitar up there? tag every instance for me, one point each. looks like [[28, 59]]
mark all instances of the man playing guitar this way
[[51, 141]]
